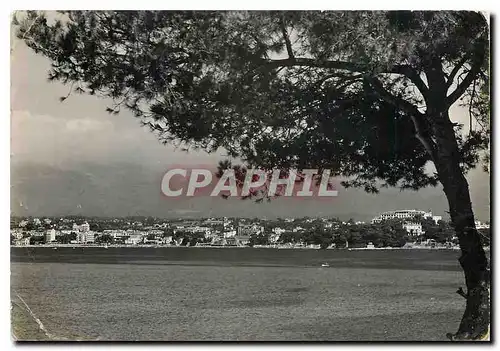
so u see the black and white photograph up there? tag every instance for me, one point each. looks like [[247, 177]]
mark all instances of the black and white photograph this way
[[250, 176]]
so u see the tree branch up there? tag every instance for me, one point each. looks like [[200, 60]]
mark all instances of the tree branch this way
[[415, 79], [345, 65], [456, 69], [415, 115], [287, 39], [391, 98], [405, 70], [471, 76]]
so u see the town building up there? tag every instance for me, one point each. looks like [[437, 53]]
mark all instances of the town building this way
[[480, 225], [16, 234], [230, 234], [406, 215], [273, 238], [206, 231], [22, 242], [134, 239], [250, 229], [90, 237], [167, 239], [414, 229], [242, 240], [50, 235], [278, 230], [115, 233], [81, 237], [84, 227]]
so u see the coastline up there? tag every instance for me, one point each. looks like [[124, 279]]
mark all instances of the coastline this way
[[280, 247]]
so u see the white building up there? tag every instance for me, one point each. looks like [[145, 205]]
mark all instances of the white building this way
[[90, 237], [115, 233], [480, 225], [50, 235], [16, 234], [134, 239], [399, 214], [81, 237], [249, 229], [85, 227], [278, 230], [405, 215], [230, 234], [22, 242], [273, 238], [428, 215], [206, 231], [167, 239], [414, 229]]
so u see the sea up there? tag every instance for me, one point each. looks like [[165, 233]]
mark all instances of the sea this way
[[234, 294]]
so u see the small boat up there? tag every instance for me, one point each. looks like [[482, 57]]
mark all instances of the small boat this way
[[325, 265], [54, 248], [105, 246]]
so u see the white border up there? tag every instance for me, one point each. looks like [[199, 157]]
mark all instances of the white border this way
[[483, 5]]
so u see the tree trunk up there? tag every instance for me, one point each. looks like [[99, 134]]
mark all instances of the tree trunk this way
[[476, 319]]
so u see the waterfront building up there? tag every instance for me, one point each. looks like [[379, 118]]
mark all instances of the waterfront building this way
[[134, 239], [166, 239], [81, 237], [16, 234], [242, 240], [50, 235], [22, 242], [90, 237], [115, 233]]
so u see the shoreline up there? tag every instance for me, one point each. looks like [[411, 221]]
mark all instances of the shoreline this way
[[56, 246]]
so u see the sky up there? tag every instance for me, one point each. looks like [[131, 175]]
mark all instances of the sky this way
[[73, 158]]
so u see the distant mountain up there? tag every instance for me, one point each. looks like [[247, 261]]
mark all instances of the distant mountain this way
[[123, 189]]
